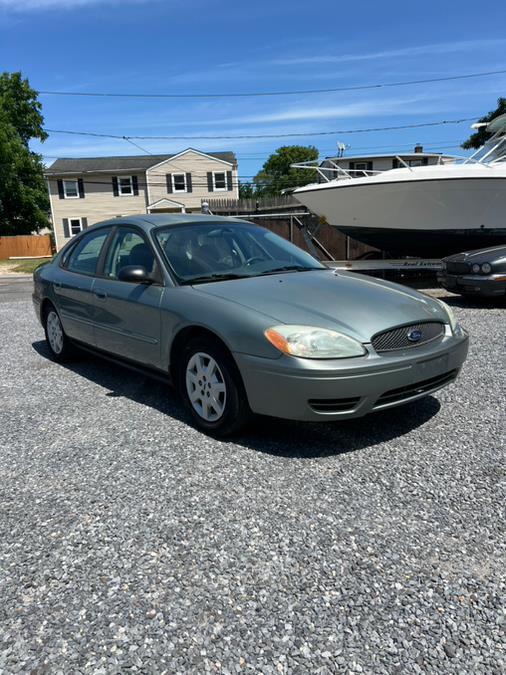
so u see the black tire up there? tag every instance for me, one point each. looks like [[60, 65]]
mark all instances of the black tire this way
[[236, 411], [61, 351]]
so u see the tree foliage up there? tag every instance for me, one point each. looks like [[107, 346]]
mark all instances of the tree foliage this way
[[477, 139], [24, 201], [277, 175]]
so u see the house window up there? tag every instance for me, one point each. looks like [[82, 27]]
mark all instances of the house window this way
[[179, 182], [71, 189], [361, 166], [75, 226], [125, 185], [219, 181]]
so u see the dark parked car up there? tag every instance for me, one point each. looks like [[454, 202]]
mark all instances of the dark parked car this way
[[243, 321], [481, 272]]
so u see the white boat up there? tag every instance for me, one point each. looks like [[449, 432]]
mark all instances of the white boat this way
[[427, 211]]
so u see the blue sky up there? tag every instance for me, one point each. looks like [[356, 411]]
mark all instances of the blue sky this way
[[194, 46]]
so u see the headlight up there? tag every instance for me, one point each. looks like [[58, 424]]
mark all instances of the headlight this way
[[454, 324], [313, 343], [486, 268], [476, 268]]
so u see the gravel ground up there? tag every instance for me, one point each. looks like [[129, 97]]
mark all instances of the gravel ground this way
[[129, 542]]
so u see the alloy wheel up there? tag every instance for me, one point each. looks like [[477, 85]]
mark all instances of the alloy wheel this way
[[54, 332], [205, 386]]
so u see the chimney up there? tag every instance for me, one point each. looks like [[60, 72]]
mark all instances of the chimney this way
[[418, 148]]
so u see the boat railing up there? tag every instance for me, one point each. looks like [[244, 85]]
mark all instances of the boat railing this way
[[341, 172]]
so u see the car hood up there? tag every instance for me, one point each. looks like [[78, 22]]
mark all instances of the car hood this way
[[357, 305], [479, 255]]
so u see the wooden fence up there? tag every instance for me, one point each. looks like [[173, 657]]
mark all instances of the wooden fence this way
[[25, 246], [335, 243]]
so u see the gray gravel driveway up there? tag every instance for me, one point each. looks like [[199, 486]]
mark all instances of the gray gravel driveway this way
[[129, 542]]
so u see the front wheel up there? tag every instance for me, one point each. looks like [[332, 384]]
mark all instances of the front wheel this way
[[59, 345], [212, 388]]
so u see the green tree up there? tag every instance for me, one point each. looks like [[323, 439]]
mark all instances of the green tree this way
[[477, 139], [246, 190], [24, 202], [19, 102], [277, 174]]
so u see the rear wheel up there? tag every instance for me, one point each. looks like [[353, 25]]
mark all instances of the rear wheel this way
[[212, 388], [59, 345]]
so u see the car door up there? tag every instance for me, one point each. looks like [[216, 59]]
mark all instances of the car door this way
[[73, 285], [127, 314]]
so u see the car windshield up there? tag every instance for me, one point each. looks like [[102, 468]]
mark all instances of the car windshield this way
[[206, 252]]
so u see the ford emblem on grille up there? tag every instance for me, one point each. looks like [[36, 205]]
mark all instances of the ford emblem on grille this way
[[415, 335]]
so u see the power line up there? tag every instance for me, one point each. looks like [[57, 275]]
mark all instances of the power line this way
[[125, 138], [425, 143], [248, 136], [276, 93]]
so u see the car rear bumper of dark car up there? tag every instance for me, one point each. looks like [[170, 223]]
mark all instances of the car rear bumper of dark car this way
[[296, 389], [473, 284]]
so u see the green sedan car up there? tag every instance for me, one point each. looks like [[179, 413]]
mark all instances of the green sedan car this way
[[241, 321]]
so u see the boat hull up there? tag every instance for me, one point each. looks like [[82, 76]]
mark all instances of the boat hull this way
[[427, 243], [430, 217]]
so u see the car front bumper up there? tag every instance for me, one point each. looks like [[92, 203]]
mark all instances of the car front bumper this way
[[474, 284], [316, 390]]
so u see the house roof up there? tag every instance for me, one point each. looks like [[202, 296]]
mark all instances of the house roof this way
[[404, 155], [65, 165]]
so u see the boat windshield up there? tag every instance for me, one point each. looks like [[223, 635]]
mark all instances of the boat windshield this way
[[493, 150]]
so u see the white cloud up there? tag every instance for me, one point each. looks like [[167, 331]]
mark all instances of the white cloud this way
[[420, 50], [29, 5], [363, 109]]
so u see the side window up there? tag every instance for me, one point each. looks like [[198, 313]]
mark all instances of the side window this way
[[128, 248], [85, 254]]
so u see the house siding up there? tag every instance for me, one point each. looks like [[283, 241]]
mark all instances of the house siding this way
[[199, 166], [99, 202]]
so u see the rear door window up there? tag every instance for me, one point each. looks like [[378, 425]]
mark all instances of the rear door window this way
[[84, 256]]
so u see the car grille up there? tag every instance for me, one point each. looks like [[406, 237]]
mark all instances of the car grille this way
[[456, 267], [390, 340], [333, 405], [402, 393]]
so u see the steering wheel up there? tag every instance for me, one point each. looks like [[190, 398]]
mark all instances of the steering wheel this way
[[256, 258]]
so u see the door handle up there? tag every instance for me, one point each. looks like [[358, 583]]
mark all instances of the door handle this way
[[102, 295]]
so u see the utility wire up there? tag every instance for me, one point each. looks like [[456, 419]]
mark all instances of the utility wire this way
[[428, 144], [276, 93], [244, 136], [125, 138]]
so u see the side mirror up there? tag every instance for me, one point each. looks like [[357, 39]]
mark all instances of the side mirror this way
[[135, 274]]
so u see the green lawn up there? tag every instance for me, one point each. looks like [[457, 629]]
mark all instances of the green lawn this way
[[22, 266]]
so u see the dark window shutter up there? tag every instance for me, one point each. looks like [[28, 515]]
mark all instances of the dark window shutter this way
[[169, 182], [188, 182], [369, 166], [80, 186], [210, 181], [61, 194], [229, 181], [115, 190], [395, 163], [84, 223], [66, 229], [135, 185]]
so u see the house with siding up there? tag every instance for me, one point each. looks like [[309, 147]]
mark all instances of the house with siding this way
[[84, 191], [360, 163]]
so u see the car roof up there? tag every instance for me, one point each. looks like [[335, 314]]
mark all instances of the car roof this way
[[149, 221]]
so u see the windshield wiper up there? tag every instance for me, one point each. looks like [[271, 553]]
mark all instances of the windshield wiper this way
[[291, 268], [214, 277]]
